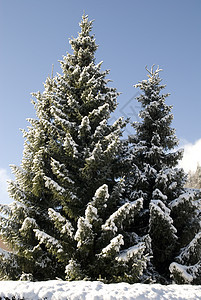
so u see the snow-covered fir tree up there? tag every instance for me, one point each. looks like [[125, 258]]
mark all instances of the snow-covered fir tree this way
[[68, 218], [170, 215]]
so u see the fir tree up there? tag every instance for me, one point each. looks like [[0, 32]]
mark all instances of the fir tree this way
[[194, 179], [170, 221], [68, 217]]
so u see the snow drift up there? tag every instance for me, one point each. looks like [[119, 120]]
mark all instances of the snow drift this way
[[86, 290]]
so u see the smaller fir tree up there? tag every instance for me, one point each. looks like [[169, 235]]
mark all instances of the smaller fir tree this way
[[169, 216]]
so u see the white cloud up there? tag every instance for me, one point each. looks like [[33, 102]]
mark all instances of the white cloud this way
[[4, 177], [192, 156]]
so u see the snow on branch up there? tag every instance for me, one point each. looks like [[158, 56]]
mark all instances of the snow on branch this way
[[185, 197], [27, 224], [113, 146], [91, 213], [15, 191], [100, 130], [73, 270], [118, 124], [158, 208], [51, 243], [70, 146], [19, 208], [101, 196], [157, 194], [183, 274], [96, 153], [180, 273], [65, 123], [113, 247], [192, 252], [84, 127], [115, 221], [54, 186], [103, 110], [84, 234], [60, 171], [61, 222], [136, 250]]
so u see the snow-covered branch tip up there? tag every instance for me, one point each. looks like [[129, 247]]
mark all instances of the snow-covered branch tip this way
[[152, 72]]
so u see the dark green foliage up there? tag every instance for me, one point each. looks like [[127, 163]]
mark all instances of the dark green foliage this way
[[170, 216], [68, 218]]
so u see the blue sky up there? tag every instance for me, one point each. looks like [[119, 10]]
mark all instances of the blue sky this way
[[131, 34]]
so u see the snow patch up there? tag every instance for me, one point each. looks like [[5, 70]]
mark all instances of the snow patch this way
[[125, 255], [86, 290], [114, 245], [182, 270]]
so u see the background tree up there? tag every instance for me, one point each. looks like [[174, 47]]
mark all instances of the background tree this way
[[194, 179], [170, 223], [68, 217]]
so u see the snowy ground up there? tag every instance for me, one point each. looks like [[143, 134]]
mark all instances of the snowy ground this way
[[85, 290]]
